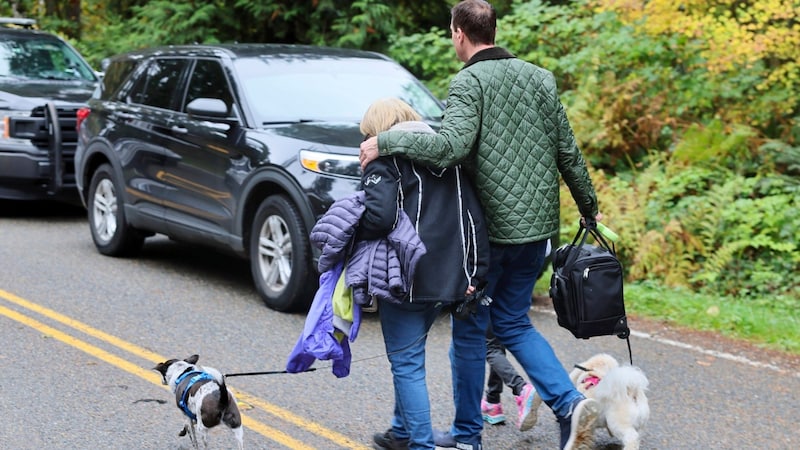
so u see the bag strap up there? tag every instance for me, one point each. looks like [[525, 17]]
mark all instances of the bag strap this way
[[575, 250], [598, 237], [582, 234]]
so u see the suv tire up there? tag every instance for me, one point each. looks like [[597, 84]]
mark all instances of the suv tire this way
[[279, 255], [111, 233]]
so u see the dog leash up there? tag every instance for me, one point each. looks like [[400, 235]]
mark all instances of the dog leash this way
[[279, 372], [630, 352], [268, 372]]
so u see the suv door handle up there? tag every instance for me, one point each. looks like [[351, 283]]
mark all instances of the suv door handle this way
[[124, 116], [179, 130]]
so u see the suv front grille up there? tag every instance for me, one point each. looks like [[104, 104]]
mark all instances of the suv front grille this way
[[67, 120]]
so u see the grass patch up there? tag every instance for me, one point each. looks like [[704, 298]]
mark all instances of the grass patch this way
[[773, 322]]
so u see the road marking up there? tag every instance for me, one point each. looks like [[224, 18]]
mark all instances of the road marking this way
[[714, 353], [151, 376], [695, 348], [268, 432]]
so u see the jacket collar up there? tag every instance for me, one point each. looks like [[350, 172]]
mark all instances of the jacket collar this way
[[488, 54]]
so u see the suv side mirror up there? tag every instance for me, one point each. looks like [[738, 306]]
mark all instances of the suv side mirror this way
[[207, 108]]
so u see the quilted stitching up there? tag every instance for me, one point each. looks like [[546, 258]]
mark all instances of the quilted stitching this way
[[517, 160]]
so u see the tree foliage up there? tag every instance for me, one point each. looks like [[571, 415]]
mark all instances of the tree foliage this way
[[754, 41], [101, 28]]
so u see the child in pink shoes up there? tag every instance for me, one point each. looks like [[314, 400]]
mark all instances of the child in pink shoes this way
[[502, 372]]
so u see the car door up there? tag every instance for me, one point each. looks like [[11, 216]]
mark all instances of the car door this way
[[144, 117], [206, 163]]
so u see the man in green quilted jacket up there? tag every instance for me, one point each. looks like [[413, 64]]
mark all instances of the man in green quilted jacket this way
[[505, 123]]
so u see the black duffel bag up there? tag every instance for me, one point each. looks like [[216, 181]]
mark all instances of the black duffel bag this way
[[586, 287]]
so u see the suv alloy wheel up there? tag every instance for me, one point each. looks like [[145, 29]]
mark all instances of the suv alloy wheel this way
[[110, 231], [279, 253]]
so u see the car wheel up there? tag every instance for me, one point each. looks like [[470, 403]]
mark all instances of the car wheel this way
[[280, 256], [111, 233]]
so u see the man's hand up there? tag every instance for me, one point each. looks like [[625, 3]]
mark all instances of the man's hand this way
[[597, 218], [369, 151]]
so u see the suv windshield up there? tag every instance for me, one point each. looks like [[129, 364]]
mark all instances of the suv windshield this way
[[38, 57], [305, 89]]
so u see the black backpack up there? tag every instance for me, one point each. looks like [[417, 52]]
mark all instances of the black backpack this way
[[586, 287]]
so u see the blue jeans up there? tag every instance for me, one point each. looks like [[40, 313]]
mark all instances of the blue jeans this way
[[513, 270], [405, 327], [468, 365]]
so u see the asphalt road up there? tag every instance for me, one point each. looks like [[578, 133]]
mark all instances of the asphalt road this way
[[80, 333]]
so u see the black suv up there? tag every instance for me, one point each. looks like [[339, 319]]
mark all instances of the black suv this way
[[43, 82], [241, 146]]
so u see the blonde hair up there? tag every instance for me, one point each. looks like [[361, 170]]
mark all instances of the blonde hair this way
[[385, 113]]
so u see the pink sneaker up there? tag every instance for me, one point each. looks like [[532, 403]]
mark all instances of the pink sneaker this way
[[492, 412], [527, 405]]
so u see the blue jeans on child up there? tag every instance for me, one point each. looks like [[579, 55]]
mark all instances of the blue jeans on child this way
[[405, 327], [513, 270]]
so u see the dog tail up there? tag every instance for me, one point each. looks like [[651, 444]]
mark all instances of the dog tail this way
[[624, 381], [230, 411], [224, 397]]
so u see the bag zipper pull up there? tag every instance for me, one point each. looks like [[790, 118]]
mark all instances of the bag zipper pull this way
[[585, 273]]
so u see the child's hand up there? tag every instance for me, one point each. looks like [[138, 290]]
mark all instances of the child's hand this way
[[470, 290]]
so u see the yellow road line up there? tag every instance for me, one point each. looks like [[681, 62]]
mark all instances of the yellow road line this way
[[262, 429], [268, 432]]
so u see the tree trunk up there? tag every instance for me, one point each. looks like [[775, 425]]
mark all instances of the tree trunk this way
[[73, 14]]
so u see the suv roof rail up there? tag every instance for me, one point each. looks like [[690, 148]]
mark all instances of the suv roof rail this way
[[18, 21]]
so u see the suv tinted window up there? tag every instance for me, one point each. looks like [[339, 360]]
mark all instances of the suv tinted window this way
[[208, 81], [115, 75], [160, 83], [327, 88]]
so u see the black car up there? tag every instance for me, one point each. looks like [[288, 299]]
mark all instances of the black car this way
[[241, 147], [43, 82]]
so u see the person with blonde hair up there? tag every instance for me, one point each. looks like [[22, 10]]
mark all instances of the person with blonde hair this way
[[385, 113], [446, 214]]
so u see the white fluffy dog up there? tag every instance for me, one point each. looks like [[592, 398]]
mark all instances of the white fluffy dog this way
[[620, 390]]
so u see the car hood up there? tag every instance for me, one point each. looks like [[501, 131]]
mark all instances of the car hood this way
[[337, 137], [344, 136], [28, 95]]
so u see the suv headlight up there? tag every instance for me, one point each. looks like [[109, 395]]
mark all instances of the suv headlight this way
[[4, 126], [331, 164]]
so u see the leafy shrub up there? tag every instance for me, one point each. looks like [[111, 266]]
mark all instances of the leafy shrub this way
[[692, 219], [432, 59]]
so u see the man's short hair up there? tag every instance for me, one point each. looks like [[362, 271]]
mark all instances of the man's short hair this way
[[477, 19]]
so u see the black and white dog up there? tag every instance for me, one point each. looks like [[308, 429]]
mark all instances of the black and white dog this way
[[202, 396]]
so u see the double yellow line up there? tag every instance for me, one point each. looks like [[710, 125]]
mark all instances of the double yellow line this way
[[265, 430]]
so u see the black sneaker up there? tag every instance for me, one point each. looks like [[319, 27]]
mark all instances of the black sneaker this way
[[388, 441], [577, 429]]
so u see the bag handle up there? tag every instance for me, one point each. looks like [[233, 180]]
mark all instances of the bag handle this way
[[583, 232], [573, 255]]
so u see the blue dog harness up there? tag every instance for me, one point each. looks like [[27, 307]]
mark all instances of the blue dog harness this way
[[195, 377]]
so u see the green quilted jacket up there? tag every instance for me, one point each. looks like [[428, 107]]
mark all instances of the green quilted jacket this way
[[505, 123]]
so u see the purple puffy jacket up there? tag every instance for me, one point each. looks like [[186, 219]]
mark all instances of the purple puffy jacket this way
[[376, 269]]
